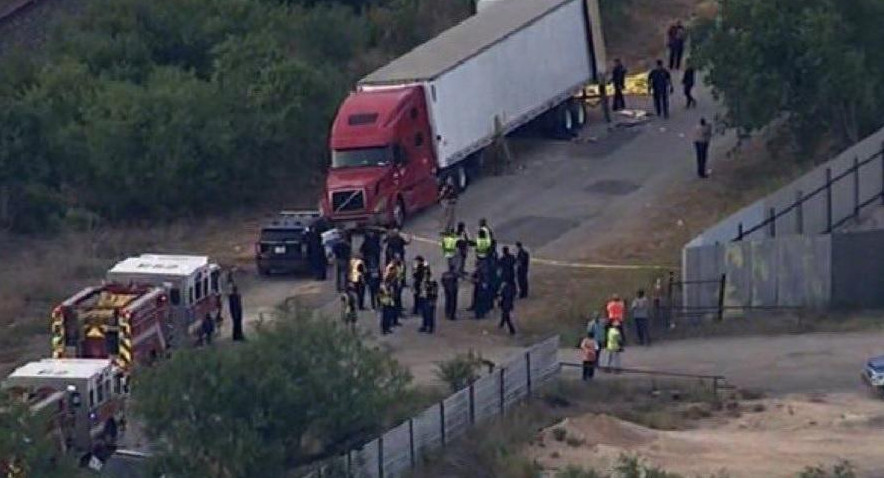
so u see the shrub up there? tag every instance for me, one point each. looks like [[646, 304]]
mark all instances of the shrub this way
[[460, 371]]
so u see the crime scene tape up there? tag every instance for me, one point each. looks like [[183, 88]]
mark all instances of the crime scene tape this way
[[574, 265]]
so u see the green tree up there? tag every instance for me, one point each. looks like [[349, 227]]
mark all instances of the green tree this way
[[25, 441], [811, 62], [299, 390]]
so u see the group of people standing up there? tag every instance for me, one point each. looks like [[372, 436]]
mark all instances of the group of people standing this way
[[606, 333], [498, 279]]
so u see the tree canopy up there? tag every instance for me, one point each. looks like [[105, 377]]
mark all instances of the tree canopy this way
[[302, 389], [815, 63], [27, 443], [145, 110]]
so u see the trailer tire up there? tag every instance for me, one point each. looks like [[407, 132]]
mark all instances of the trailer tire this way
[[399, 214], [578, 109], [564, 122], [462, 178]]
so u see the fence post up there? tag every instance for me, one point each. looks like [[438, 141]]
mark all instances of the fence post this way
[[772, 217], [381, 456], [442, 420], [740, 231], [721, 285], [828, 200], [882, 172], [855, 186], [502, 385], [669, 302], [411, 441], [349, 463], [472, 404], [799, 212], [528, 371]]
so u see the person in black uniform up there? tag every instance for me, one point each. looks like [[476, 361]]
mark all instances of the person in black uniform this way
[[234, 303], [342, 252], [316, 255], [484, 295], [523, 260], [507, 302], [449, 286], [373, 281], [429, 298], [660, 86], [687, 80], [507, 265], [618, 77], [395, 246], [371, 249], [418, 274]]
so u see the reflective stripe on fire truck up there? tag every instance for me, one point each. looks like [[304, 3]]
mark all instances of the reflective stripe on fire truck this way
[[57, 334], [93, 331], [124, 359]]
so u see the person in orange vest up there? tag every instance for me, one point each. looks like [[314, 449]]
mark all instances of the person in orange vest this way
[[616, 309]]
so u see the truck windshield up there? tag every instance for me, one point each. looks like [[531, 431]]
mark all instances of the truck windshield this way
[[355, 158]]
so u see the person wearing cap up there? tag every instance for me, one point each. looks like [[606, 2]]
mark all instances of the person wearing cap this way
[[418, 274]]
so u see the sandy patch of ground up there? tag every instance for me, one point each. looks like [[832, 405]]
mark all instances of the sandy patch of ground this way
[[770, 438]]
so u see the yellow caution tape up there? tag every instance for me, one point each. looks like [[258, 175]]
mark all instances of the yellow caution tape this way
[[574, 265]]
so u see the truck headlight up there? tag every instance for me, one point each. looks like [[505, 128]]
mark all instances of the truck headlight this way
[[380, 206]]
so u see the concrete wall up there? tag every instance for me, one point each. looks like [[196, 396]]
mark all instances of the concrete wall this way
[[814, 210], [857, 265], [789, 271]]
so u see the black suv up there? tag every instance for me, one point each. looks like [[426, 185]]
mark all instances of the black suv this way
[[282, 244]]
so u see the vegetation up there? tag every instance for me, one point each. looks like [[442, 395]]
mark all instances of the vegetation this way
[[815, 63], [299, 391], [631, 466], [460, 371], [159, 109], [26, 444]]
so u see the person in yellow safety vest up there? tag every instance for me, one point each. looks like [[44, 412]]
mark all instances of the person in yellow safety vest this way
[[483, 226], [614, 346], [357, 280], [449, 249], [483, 245], [348, 309], [385, 298]]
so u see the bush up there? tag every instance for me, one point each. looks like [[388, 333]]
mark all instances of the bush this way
[[843, 469], [460, 371]]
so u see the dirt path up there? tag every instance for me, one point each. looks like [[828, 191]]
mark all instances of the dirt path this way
[[769, 438]]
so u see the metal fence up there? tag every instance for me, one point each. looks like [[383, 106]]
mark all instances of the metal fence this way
[[404, 447]]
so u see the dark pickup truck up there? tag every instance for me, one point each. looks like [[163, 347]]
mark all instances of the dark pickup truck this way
[[283, 244]]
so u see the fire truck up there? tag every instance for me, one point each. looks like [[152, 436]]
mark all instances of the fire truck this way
[[129, 323], [191, 282], [84, 400]]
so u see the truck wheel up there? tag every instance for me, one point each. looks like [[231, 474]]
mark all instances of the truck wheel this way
[[462, 179], [263, 271], [578, 109], [110, 432], [566, 122], [399, 214]]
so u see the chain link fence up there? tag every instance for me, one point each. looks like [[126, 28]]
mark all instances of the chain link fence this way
[[405, 446]]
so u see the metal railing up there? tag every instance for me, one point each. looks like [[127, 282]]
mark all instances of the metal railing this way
[[831, 223], [717, 383]]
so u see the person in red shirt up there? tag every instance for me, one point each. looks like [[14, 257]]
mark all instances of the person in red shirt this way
[[616, 309]]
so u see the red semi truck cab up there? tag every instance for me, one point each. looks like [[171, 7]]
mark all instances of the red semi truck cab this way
[[383, 164]]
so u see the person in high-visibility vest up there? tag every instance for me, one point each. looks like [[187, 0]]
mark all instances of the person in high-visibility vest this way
[[385, 299], [400, 284], [614, 346], [348, 309], [483, 245], [449, 249], [357, 280], [483, 226]]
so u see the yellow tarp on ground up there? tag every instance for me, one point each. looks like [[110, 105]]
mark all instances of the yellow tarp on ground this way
[[636, 85]]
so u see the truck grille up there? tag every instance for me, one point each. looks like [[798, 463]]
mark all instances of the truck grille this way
[[348, 201]]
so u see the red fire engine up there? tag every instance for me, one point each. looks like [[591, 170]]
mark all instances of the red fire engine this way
[[129, 323]]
